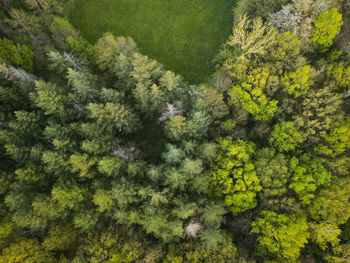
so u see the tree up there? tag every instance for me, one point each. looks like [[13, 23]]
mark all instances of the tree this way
[[111, 166], [325, 233], [251, 37], [82, 164], [60, 237], [25, 251], [298, 83], [250, 95], [273, 172], [280, 236], [114, 115], [332, 204], [336, 141], [308, 175], [234, 175], [49, 98], [108, 47], [285, 137], [194, 251], [18, 55], [339, 74], [327, 26], [285, 19], [67, 194], [103, 199], [176, 127], [318, 112], [215, 103]]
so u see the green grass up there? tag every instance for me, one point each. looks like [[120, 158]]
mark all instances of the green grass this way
[[183, 35]]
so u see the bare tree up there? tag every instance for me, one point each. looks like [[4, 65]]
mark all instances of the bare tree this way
[[127, 153], [170, 110], [15, 74], [193, 228]]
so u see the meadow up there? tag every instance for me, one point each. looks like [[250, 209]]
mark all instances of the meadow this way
[[183, 35]]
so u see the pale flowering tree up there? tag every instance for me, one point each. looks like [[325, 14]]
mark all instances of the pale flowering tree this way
[[285, 19]]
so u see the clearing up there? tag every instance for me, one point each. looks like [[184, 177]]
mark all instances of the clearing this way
[[183, 35]]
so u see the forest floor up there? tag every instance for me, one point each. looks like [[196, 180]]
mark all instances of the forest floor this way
[[183, 35]]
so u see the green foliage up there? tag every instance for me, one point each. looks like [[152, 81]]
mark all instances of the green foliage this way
[[60, 30], [308, 175], [85, 220], [50, 98], [250, 95], [298, 83], [327, 27], [215, 103], [114, 115], [106, 156], [103, 199], [339, 73], [195, 252], [332, 204], [82, 164], [273, 173], [285, 137], [177, 127], [337, 141], [60, 237], [281, 236], [234, 175], [18, 55], [25, 251], [111, 166], [67, 194], [6, 228], [108, 48], [324, 234], [80, 47]]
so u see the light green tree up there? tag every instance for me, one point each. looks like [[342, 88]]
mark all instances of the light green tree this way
[[280, 236], [327, 27], [234, 174], [285, 137]]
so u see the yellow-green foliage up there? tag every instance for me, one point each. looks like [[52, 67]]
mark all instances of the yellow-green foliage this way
[[327, 26], [324, 234], [298, 83], [281, 236], [195, 252], [339, 73], [60, 237], [6, 228], [250, 95], [176, 127], [332, 204], [25, 251], [16, 54], [234, 175], [308, 175], [337, 141], [285, 137]]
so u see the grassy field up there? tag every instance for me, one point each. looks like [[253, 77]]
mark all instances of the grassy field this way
[[183, 35]]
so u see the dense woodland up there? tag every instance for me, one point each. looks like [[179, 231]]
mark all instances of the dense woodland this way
[[106, 156]]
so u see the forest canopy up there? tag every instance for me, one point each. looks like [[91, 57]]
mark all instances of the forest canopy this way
[[108, 155]]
